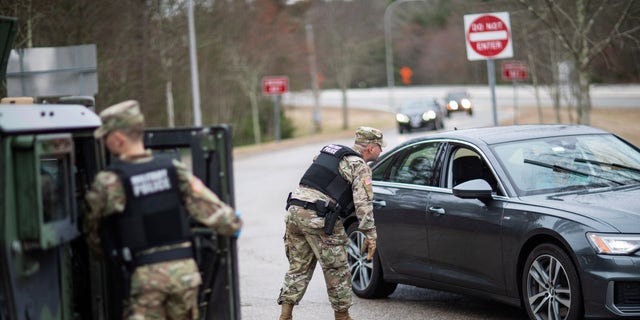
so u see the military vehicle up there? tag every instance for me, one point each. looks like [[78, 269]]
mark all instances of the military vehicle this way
[[49, 159]]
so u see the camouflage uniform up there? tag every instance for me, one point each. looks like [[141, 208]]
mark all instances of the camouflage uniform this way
[[165, 290], [306, 242]]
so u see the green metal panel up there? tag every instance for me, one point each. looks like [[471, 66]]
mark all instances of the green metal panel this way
[[27, 196], [211, 160], [8, 28]]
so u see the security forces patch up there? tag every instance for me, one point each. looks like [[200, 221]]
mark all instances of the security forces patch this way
[[150, 182]]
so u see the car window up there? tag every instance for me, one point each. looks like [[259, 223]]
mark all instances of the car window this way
[[457, 96], [414, 166], [418, 105], [567, 163], [465, 165]]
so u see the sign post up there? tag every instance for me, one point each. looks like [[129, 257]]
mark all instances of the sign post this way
[[488, 37], [515, 71], [275, 86]]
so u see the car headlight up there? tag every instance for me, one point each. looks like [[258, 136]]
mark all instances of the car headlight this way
[[429, 115], [402, 117], [614, 243], [465, 103], [453, 105]]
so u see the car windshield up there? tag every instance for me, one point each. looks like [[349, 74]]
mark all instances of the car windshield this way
[[416, 106], [457, 96], [580, 162]]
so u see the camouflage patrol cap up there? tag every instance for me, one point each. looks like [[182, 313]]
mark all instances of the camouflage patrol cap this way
[[368, 135], [122, 115]]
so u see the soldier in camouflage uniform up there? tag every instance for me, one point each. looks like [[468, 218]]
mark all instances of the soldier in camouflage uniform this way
[[158, 290], [306, 240]]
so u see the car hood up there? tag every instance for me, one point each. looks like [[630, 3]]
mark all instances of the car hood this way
[[618, 208]]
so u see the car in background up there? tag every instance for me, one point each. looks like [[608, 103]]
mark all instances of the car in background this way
[[458, 101], [422, 113], [546, 217]]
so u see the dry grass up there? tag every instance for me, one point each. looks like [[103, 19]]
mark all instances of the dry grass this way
[[621, 121], [332, 122], [331, 119], [625, 122]]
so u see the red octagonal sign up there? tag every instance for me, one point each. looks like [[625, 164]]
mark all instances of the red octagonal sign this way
[[488, 36]]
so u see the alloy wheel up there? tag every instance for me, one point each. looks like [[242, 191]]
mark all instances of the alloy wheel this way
[[361, 269], [548, 289]]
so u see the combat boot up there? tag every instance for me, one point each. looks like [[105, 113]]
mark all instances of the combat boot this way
[[287, 309], [342, 315]]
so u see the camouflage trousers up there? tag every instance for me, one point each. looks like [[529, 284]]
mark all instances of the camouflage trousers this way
[[167, 290], [306, 244]]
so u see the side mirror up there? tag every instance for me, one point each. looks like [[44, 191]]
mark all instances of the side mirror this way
[[473, 189]]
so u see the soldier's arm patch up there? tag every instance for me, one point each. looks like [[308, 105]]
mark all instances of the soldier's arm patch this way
[[367, 181]]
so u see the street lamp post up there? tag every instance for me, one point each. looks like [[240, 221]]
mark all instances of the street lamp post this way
[[193, 59], [389, 49]]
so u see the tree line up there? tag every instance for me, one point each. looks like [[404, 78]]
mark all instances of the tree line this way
[[143, 49]]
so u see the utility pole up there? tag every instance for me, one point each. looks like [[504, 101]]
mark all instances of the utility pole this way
[[317, 126], [193, 58], [389, 48]]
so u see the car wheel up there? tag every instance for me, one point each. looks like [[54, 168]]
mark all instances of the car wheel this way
[[550, 286], [366, 276], [470, 112]]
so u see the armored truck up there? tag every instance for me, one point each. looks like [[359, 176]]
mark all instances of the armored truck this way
[[49, 159]]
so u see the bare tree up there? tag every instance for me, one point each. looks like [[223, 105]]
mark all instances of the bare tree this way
[[585, 29], [345, 31], [166, 30], [258, 24]]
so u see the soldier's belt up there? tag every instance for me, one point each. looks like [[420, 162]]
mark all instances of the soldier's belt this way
[[321, 207], [162, 256]]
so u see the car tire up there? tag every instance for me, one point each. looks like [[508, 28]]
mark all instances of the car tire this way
[[470, 112], [366, 276], [550, 285]]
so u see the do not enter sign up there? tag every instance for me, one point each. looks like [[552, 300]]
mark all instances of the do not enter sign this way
[[488, 36]]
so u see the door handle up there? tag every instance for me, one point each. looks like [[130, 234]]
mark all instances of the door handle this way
[[379, 203], [437, 211]]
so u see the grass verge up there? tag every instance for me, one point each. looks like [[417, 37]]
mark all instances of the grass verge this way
[[622, 121]]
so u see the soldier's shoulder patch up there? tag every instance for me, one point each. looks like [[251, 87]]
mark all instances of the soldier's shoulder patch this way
[[368, 181], [107, 178]]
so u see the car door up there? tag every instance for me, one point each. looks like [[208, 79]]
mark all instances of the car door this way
[[465, 234], [402, 185], [208, 152]]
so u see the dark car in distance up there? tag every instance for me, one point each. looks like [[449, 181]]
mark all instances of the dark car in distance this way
[[458, 101], [546, 217], [422, 113]]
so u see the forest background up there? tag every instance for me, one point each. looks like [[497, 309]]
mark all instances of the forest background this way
[[143, 49]]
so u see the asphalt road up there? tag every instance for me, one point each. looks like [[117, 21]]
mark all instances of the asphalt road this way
[[262, 181], [264, 178]]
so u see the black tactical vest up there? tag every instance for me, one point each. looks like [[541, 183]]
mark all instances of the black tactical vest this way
[[324, 176], [154, 214]]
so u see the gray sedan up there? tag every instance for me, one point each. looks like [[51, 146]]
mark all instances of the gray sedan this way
[[546, 217]]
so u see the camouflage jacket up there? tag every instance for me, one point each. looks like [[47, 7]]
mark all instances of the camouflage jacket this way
[[356, 171], [107, 197]]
